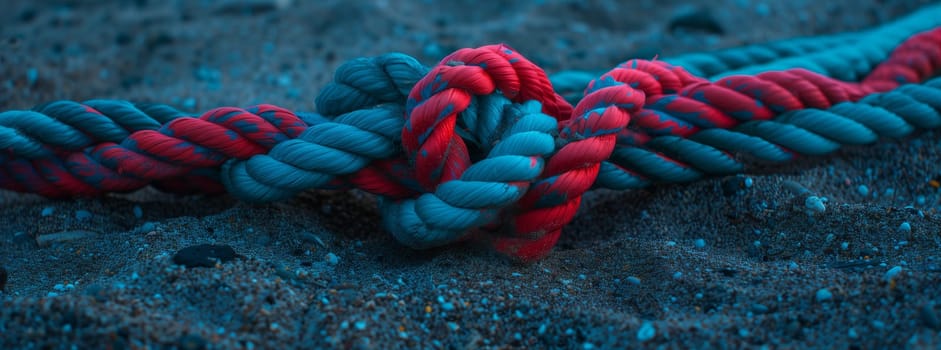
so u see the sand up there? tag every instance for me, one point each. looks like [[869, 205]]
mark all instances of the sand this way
[[710, 264]]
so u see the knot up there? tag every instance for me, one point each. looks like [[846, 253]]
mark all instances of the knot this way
[[539, 155], [504, 107]]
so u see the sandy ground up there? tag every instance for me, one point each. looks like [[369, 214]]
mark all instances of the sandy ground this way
[[683, 266]]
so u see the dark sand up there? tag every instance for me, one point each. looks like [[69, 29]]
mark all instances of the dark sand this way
[[319, 272]]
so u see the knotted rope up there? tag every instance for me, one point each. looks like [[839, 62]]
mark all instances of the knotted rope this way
[[479, 146]]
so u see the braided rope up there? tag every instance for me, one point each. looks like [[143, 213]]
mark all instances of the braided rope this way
[[691, 128], [844, 56], [480, 145]]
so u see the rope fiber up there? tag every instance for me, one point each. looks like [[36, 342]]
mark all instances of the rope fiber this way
[[484, 145]]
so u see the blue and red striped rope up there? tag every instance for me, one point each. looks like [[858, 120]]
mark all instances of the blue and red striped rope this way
[[479, 146]]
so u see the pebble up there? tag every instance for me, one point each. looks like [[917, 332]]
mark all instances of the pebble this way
[[633, 280], [138, 212], [32, 75], [59, 287], [332, 259], [47, 211], [889, 275], [700, 243], [646, 332], [863, 190], [447, 306], [905, 227], [814, 205], [824, 295], [203, 255]]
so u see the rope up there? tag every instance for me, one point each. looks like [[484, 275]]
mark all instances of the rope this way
[[480, 146], [844, 56]]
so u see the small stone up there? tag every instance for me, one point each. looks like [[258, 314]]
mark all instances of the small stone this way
[[447, 306], [203, 255], [824, 295], [863, 190], [332, 259], [814, 204], [759, 308], [32, 75], [47, 211], [889, 275], [633, 280], [646, 332], [905, 227], [138, 212], [699, 243]]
